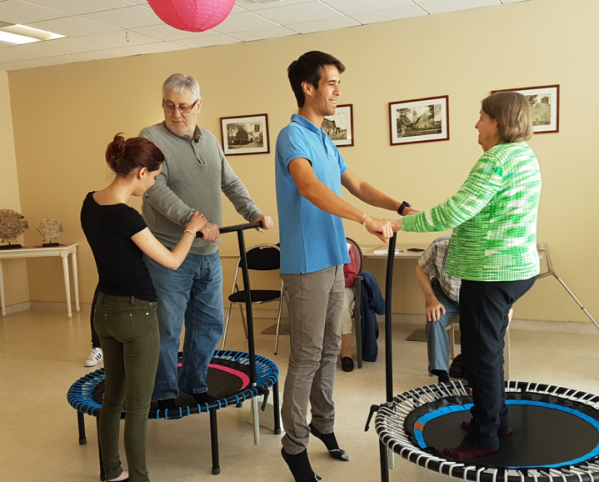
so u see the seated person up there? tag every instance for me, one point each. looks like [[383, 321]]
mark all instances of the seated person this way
[[442, 294], [350, 273]]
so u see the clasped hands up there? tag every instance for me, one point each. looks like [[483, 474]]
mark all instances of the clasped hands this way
[[382, 228]]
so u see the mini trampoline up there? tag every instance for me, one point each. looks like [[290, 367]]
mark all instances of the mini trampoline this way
[[555, 429], [233, 377]]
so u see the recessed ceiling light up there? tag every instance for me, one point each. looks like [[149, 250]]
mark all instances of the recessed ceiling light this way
[[22, 34]]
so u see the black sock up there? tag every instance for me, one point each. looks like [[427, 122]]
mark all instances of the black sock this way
[[442, 374], [300, 466], [330, 441]]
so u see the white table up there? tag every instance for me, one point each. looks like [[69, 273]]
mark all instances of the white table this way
[[63, 252]]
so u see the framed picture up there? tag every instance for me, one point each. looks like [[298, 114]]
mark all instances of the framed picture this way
[[419, 120], [340, 126], [544, 105], [245, 135]]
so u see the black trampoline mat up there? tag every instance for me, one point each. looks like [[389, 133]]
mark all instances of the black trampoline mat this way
[[224, 378], [541, 436]]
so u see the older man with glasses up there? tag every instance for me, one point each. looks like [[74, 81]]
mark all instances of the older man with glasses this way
[[193, 176]]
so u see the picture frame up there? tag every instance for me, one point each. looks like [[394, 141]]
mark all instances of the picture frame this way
[[419, 120], [243, 135], [340, 126], [544, 103]]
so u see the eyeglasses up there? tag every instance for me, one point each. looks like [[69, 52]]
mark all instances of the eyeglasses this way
[[184, 109]]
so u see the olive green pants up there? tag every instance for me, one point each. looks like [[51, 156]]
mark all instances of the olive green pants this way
[[128, 331]]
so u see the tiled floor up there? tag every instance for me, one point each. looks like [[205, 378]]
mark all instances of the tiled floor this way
[[42, 354]]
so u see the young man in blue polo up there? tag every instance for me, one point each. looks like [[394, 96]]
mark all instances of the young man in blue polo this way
[[309, 175]]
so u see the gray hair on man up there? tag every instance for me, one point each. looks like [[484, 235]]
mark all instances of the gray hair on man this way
[[177, 83]]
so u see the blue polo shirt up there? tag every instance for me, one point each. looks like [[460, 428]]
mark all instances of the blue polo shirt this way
[[311, 239]]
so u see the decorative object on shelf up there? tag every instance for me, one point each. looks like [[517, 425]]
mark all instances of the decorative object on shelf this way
[[419, 120], [50, 229], [245, 135], [544, 106], [192, 15], [340, 126], [12, 225]]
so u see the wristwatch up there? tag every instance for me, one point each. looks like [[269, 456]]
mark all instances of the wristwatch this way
[[404, 205]]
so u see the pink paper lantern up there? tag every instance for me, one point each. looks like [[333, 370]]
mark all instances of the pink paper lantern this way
[[192, 15]]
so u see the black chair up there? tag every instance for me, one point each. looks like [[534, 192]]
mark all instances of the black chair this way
[[264, 257], [358, 260]]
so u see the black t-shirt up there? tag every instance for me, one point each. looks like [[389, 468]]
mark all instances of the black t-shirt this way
[[108, 230]]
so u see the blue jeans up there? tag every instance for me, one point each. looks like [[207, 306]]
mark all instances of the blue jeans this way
[[437, 340], [192, 293]]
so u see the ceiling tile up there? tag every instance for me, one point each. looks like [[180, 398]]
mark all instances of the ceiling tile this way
[[155, 48], [513, 1], [436, 6], [130, 17], [23, 53], [105, 54], [77, 7], [120, 38], [262, 33], [74, 26], [326, 24], [6, 67], [166, 32], [392, 14], [68, 46], [15, 11], [239, 22], [251, 5], [304, 12], [206, 41], [352, 7]]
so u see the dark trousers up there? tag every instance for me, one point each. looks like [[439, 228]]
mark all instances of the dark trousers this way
[[95, 337], [128, 330], [484, 308]]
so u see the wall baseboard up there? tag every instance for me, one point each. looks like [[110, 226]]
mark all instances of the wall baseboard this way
[[584, 328], [18, 307]]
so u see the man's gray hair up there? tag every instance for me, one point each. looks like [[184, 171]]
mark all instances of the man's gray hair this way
[[177, 83]]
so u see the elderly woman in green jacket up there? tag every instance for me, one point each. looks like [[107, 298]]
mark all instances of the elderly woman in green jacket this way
[[493, 250]]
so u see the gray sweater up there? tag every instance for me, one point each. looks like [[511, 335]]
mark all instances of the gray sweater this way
[[192, 178]]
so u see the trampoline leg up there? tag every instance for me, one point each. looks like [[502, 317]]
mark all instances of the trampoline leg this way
[[81, 427], [214, 442], [391, 458], [384, 462], [276, 408], [102, 476], [256, 419]]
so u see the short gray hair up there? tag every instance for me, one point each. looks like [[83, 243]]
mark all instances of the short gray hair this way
[[177, 83], [511, 110]]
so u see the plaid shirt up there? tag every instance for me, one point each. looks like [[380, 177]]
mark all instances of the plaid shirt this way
[[433, 262]]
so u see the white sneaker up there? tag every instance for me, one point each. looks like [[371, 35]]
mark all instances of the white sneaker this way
[[94, 357]]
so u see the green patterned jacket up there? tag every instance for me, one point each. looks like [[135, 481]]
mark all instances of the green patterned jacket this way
[[493, 217]]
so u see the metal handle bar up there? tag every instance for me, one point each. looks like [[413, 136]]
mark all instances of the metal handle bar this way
[[236, 227]]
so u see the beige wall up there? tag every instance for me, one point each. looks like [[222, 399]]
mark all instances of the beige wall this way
[[65, 115], [14, 270]]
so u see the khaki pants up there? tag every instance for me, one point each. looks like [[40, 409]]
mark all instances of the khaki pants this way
[[315, 306]]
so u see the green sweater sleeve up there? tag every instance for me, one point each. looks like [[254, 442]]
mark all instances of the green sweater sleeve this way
[[478, 190]]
